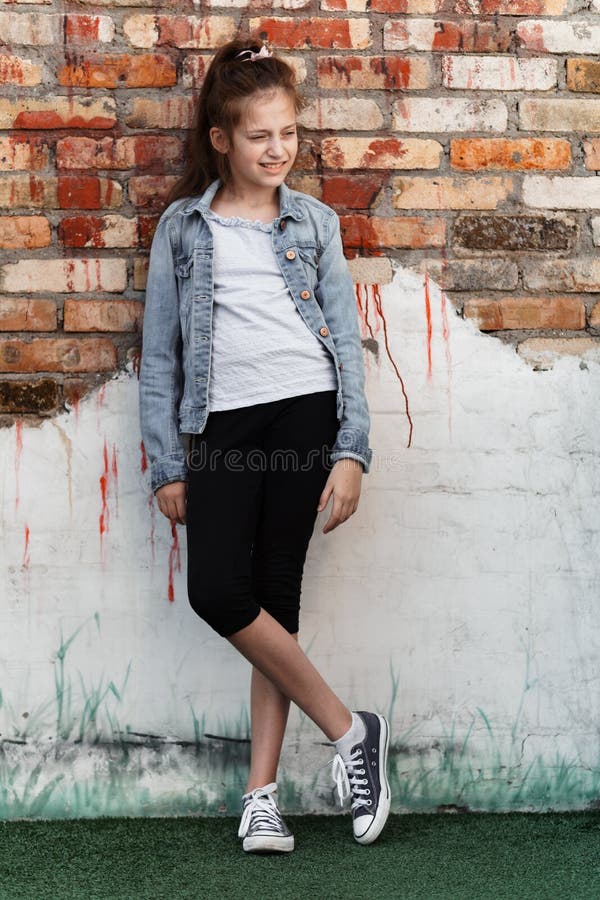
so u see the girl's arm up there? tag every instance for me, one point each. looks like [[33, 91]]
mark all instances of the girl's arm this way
[[335, 292], [161, 368]]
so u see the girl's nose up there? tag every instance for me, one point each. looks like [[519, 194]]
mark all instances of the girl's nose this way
[[276, 148]]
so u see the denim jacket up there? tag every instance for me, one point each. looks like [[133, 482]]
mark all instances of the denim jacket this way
[[176, 347]]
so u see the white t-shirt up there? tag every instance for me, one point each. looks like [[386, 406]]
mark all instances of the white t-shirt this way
[[261, 348]]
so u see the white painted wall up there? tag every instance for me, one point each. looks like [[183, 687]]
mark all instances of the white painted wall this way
[[469, 575]]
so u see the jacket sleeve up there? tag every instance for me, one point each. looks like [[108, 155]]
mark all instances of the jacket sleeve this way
[[161, 366], [335, 292]]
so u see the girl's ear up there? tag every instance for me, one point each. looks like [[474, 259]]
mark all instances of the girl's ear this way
[[219, 140]]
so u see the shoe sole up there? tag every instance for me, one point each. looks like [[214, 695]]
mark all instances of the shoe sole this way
[[267, 844], [383, 808]]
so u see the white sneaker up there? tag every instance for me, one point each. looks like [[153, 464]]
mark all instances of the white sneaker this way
[[363, 774], [262, 826]]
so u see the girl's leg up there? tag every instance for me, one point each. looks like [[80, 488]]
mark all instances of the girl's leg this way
[[275, 653], [269, 710]]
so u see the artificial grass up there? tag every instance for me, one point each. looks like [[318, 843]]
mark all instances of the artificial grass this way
[[470, 856]]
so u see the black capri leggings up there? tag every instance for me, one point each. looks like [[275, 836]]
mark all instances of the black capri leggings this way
[[255, 477]]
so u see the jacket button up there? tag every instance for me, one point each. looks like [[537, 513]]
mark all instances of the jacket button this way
[[305, 295], [282, 224], [291, 254], [324, 331]]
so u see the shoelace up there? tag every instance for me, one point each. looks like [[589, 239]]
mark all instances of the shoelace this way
[[345, 774], [264, 809]]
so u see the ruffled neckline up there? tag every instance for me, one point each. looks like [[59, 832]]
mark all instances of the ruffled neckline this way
[[237, 222]]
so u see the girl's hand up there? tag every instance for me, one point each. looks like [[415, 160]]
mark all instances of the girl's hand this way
[[171, 501], [344, 483]]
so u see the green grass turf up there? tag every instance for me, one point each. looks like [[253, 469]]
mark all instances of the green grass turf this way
[[434, 857]]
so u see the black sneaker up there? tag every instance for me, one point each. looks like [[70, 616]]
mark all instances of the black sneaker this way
[[363, 774], [262, 826]]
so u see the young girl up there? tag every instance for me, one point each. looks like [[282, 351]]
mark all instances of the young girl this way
[[251, 346]]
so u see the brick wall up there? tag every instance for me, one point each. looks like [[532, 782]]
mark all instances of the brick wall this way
[[458, 137]]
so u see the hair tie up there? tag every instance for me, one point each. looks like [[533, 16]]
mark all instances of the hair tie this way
[[263, 53]]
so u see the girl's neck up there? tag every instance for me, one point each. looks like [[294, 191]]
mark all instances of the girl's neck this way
[[247, 203]]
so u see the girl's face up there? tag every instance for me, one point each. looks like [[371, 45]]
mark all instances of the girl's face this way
[[264, 144]]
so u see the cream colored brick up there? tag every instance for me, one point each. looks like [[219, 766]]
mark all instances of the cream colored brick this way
[[30, 29], [342, 115], [561, 192], [549, 36], [543, 353], [429, 114], [559, 115], [371, 270], [14, 70], [577, 275], [63, 275], [450, 193], [498, 73], [28, 191]]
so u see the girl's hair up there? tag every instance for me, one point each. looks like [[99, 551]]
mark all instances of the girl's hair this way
[[229, 83]]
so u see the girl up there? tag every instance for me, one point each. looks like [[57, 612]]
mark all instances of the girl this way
[[251, 347]]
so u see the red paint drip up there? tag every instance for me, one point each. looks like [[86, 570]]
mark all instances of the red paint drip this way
[[429, 326], [18, 452], [379, 308], [136, 362], [446, 337], [26, 551], [174, 560], [104, 514], [144, 459]]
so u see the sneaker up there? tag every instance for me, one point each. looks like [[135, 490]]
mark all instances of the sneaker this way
[[262, 826], [363, 775]]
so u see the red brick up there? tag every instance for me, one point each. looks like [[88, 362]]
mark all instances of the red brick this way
[[510, 313], [23, 314], [356, 192], [87, 29], [58, 355], [374, 232], [126, 70], [133, 152], [194, 70], [140, 273], [24, 232], [88, 192], [102, 315], [150, 191], [471, 154], [98, 231], [59, 112], [374, 72], [592, 154], [315, 33], [380, 153]]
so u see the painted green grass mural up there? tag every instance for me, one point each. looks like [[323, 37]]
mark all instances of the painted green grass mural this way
[[73, 757]]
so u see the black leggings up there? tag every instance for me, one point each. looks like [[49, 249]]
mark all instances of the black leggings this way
[[255, 477]]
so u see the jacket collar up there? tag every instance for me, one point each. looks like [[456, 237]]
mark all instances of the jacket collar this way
[[288, 205]]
